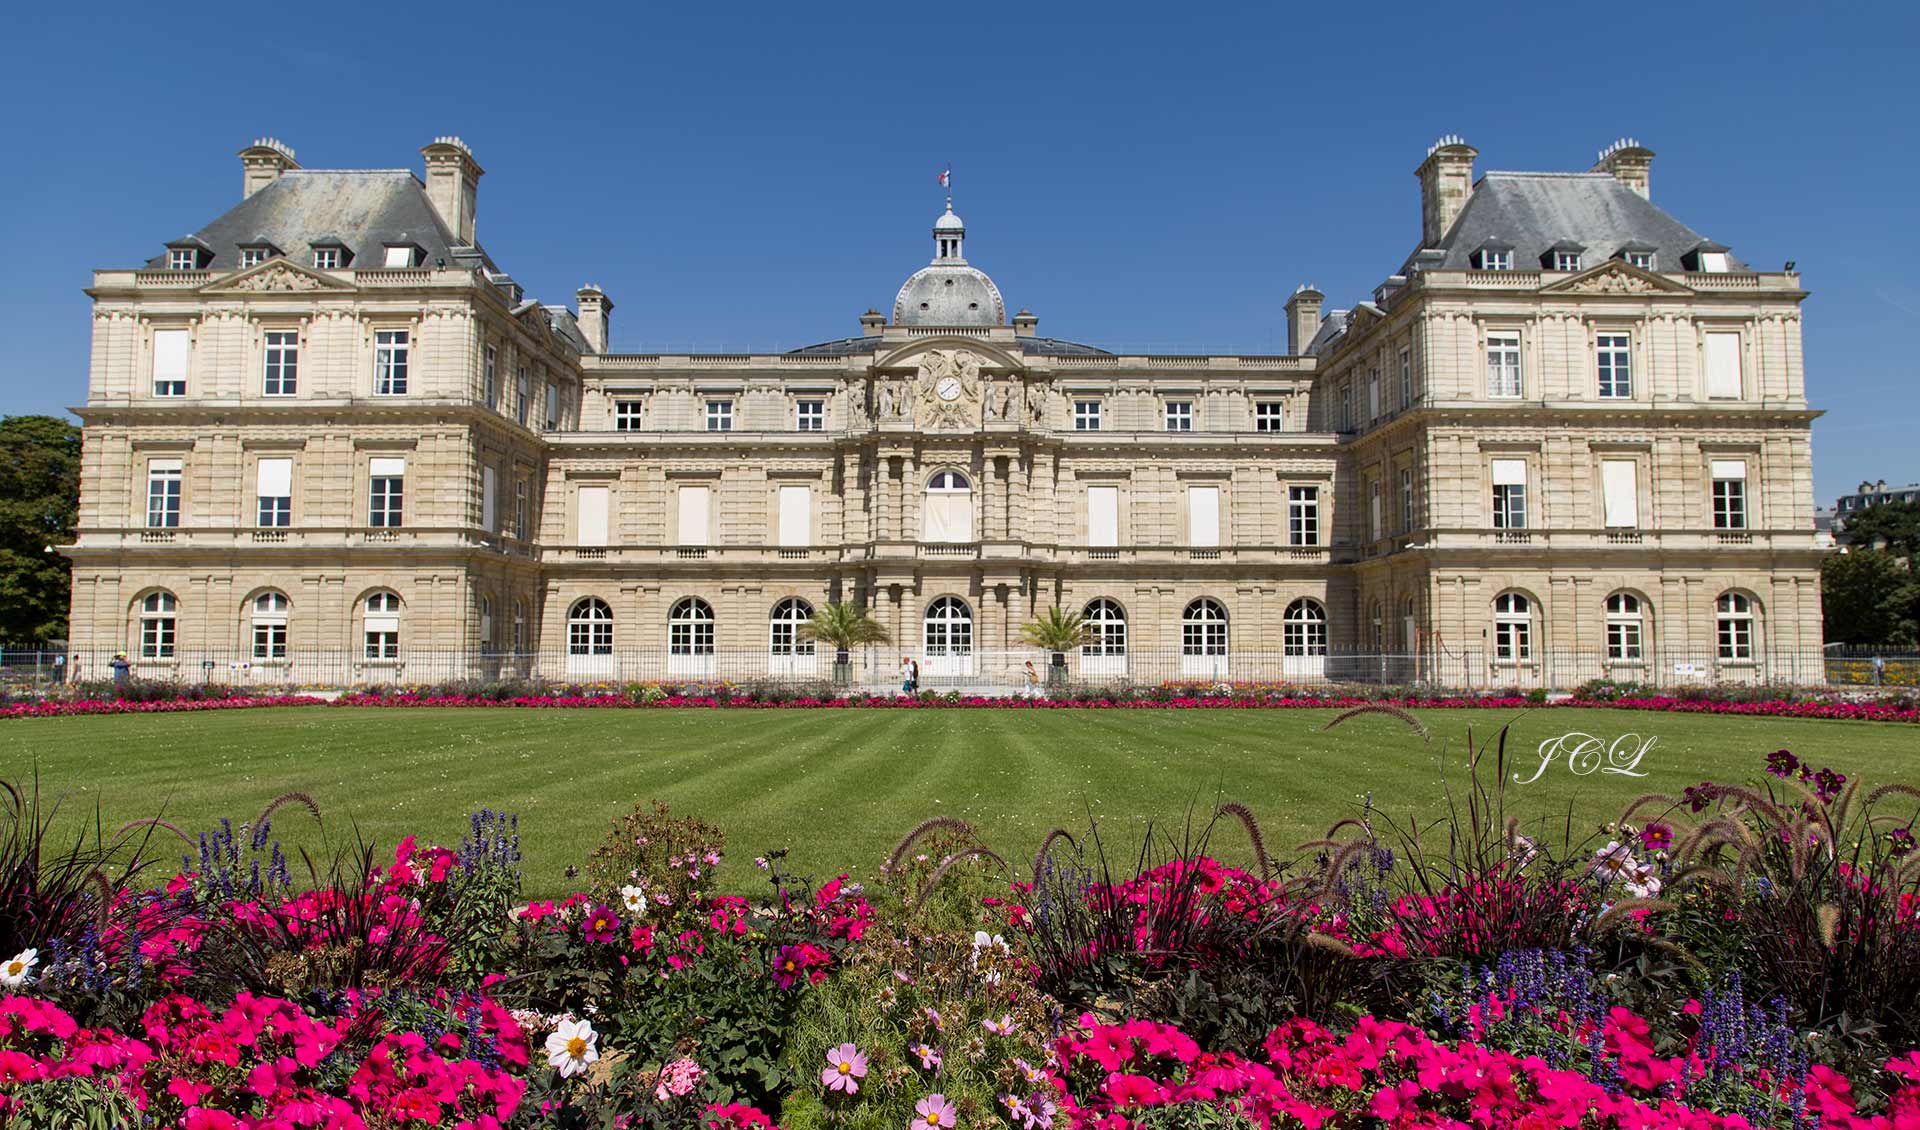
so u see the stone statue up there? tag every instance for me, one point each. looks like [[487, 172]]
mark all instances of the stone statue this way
[[1008, 398], [1038, 402], [856, 406], [994, 404], [886, 399]]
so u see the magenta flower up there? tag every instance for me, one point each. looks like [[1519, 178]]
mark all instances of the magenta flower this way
[[845, 1066], [929, 1056], [932, 1112], [1656, 836], [602, 925]]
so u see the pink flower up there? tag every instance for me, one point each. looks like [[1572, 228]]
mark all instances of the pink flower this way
[[677, 1079], [931, 1112], [600, 926], [930, 1056], [845, 1066]]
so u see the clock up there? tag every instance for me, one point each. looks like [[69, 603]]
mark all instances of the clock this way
[[948, 388]]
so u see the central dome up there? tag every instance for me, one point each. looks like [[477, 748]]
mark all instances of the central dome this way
[[948, 292]]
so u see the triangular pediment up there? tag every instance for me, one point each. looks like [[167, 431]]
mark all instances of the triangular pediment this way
[[1616, 277], [909, 356], [275, 276]]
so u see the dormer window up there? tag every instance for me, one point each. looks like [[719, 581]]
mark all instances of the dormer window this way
[[1566, 255], [1493, 255], [326, 258], [1708, 258], [1640, 259], [1713, 261], [252, 257], [400, 255], [183, 259], [1566, 260]]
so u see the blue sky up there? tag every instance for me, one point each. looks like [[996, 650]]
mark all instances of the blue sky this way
[[753, 177]]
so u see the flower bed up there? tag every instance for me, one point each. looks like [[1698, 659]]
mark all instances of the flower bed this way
[[63, 709]]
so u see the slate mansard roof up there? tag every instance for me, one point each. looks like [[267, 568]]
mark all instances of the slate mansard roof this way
[[1033, 346], [1534, 211], [364, 209]]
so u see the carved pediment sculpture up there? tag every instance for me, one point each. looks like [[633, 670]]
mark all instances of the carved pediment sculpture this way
[[946, 390], [274, 276], [1616, 278]]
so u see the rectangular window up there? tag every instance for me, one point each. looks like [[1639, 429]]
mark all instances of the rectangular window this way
[[553, 406], [386, 496], [1406, 499], [719, 415], [693, 515], [593, 516], [490, 376], [399, 257], [1346, 406], [156, 635], [1103, 516], [1268, 416], [1373, 395], [1714, 262], [1406, 378], [326, 258], [1503, 365], [520, 509], [283, 363], [489, 510], [269, 638], [1086, 415], [522, 389], [1729, 494], [1620, 492], [274, 489], [1509, 494], [252, 257], [810, 415], [627, 415], [163, 493], [390, 362], [1375, 527], [171, 348], [1723, 366], [1613, 361], [1203, 516], [1566, 260], [1303, 515], [1640, 259], [796, 516], [1179, 415], [182, 259]]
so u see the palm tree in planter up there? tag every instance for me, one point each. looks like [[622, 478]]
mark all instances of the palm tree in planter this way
[[1058, 632], [845, 625]]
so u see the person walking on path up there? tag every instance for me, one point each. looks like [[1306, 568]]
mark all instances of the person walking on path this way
[[121, 669], [1032, 687]]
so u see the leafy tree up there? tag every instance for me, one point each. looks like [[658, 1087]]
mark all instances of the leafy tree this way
[[1869, 597], [1056, 630], [39, 505], [1893, 526]]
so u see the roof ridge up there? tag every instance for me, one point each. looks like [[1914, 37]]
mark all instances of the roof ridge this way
[[309, 172], [1543, 173]]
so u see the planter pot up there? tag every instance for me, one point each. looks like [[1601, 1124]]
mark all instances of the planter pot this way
[[842, 668], [1057, 670]]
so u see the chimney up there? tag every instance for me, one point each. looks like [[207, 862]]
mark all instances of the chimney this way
[[262, 163], [872, 322], [1446, 181], [1303, 318], [1025, 324], [1630, 163], [596, 312], [453, 180]]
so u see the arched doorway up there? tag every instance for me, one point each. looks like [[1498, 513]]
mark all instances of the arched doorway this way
[[947, 639]]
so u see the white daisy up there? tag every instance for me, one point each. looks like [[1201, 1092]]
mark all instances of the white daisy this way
[[19, 971], [634, 899], [571, 1047]]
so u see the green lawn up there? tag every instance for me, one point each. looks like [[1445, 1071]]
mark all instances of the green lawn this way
[[840, 786]]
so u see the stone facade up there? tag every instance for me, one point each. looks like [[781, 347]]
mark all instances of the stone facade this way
[[572, 511]]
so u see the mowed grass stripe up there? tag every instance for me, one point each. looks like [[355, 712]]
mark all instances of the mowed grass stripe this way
[[839, 787]]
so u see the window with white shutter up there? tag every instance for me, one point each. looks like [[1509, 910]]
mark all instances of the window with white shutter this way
[[489, 509], [1203, 516], [1103, 516], [1723, 366], [274, 479], [593, 516], [1620, 488], [171, 348], [693, 515], [796, 516]]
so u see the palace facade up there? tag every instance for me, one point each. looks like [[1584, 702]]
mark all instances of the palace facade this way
[[329, 439]]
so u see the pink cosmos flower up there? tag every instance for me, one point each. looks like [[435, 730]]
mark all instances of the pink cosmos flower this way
[[929, 1056], [845, 1066], [600, 926], [1001, 1027], [932, 1112]]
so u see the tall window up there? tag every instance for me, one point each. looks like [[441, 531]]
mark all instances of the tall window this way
[[1179, 415], [163, 493], [1375, 524], [1509, 494], [1724, 378], [386, 500], [1615, 365], [719, 415], [1203, 628], [1268, 416], [690, 627], [795, 528], [390, 349], [1103, 516], [810, 415], [522, 391], [1106, 628], [693, 514], [1203, 516], [948, 510], [1734, 620], [1729, 494], [520, 509], [283, 363], [626, 415], [1373, 395], [948, 628], [1406, 378], [156, 625], [553, 406], [171, 350], [270, 626], [1303, 515], [381, 631], [485, 609], [519, 640], [1619, 493], [590, 627], [1346, 406], [275, 492], [1406, 499], [783, 627], [1625, 628], [1503, 365], [1086, 415], [1304, 629], [490, 376], [1512, 628]]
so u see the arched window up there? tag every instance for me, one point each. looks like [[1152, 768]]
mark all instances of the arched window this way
[[1304, 629], [1734, 621], [382, 627], [1106, 629], [1203, 628], [157, 625], [1626, 628], [690, 627], [590, 627], [947, 515], [948, 629], [269, 626], [783, 627], [1512, 628]]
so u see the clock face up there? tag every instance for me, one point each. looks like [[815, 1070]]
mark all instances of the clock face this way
[[948, 388]]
